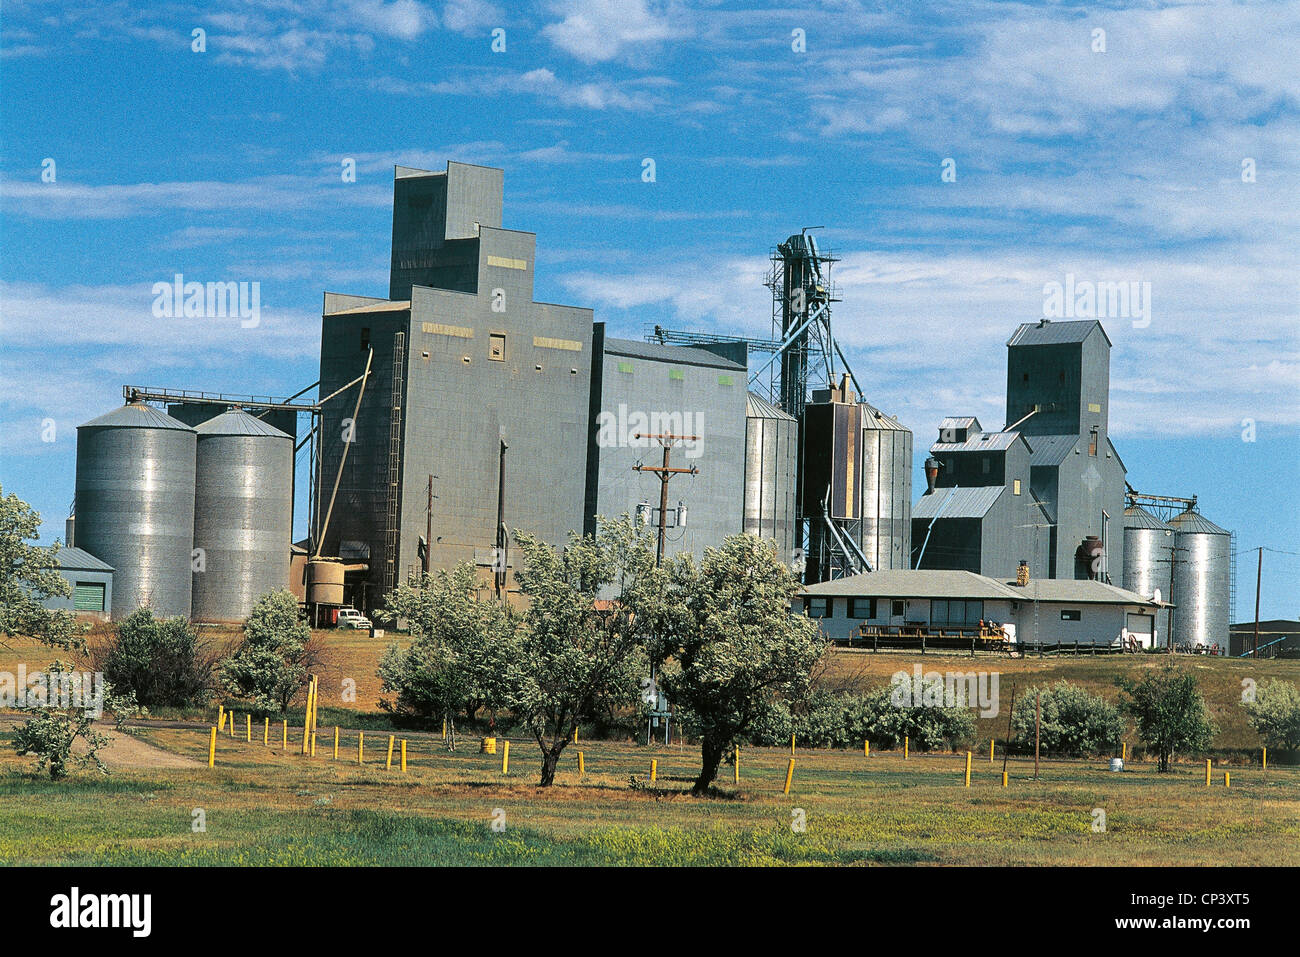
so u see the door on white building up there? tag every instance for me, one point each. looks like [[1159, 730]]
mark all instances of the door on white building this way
[[1141, 627]]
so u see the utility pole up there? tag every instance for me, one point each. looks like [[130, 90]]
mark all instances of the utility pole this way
[[1259, 575], [499, 559], [665, 473], [428, 527]]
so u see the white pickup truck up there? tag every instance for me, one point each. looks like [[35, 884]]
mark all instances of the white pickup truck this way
[[351, 618]]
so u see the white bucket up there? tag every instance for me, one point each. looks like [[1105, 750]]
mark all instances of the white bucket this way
[[1117, 764]]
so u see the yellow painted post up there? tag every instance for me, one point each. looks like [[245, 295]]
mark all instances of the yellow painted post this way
[[1266, 759], [389, 766], [313, 742], [1227, 779], [266, 731], [990, 750], [575, 735], [248, 729], [284, 733], [505, 757], [654, 770], [336, 742], [403, 755], [735, 770], [866, 749], [789, 776], [967, 769], [1123, 755], [792, 744], [212, 748], [361, 747], [1207, 772], [231, 724], [905, 743], [221, 717], [582, 765], [1004, 778], [444, 729]]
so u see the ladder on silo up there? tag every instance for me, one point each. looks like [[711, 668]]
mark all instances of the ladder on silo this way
[[392, 524]]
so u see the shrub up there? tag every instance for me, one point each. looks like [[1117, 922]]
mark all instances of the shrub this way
[[163, 661], [1169, 712], [1073, 721], [271, 664], [1275, 714]]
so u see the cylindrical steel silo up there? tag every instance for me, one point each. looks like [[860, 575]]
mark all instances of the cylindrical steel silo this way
[[1202, 580], [886, 488], [1148, 550], [243, 514], [771, 471], [135, 505]]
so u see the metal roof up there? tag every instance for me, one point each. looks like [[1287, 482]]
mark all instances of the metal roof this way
[[876, 420], [960, 422], [979, 442], [965, 502], [1076, 591], [1048, 331], [1050, 450], [80, 559], [136, 415], [914, 583], [1195, 522], [1135, 516], [681, 355], [390, 305], [238, 422], [756, 407]]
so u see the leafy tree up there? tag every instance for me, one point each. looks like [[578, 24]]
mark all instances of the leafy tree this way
[[1073, 721], [29, 574], [163, 661], [52, 732], [449, 667], [576, 653], [731, 643], [1169, 712], [1275, 714], [272, 663]]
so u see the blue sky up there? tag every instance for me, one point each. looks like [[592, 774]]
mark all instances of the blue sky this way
[[1122, 164]]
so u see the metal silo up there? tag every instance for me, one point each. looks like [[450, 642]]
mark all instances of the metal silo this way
[[771, 471], [886, 484], [1148, 550], [243, 514], [135, 505], [1202, 580]]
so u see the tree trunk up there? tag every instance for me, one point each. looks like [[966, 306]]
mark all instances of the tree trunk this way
[[711, 757], [550, 758]]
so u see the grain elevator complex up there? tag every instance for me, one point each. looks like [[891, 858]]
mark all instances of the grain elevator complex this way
[[459, 409]]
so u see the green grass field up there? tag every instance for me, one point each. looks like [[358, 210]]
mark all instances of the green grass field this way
[[266, 805]]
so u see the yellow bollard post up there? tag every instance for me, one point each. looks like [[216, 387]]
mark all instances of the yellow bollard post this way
[[505, 757], [248, 728], [575, 735], [905, 743], [212, 748], [389, 766], [866, 749], [403, 755], [582, 765], [1227, 779], [313, 742], [266, 731], [221, 717], [654, 770], [967, 769], [1123, 755], [336, 742], [789, 776], [735, 770], [231, 724], [792, 744], [1207, 772], [284, 733], [444, 729], [990, 750], [361, 746], [1004, 778], [1266, 759]]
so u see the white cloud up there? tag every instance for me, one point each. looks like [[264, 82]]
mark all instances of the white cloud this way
[[595, 31]]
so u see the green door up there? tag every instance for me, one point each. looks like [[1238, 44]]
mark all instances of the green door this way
[[88, 596]]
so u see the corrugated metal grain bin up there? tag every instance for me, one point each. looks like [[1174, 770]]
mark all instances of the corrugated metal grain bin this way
[[135, 505], [771, 471], [886, 483], [1202, 580], [243, 514]]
